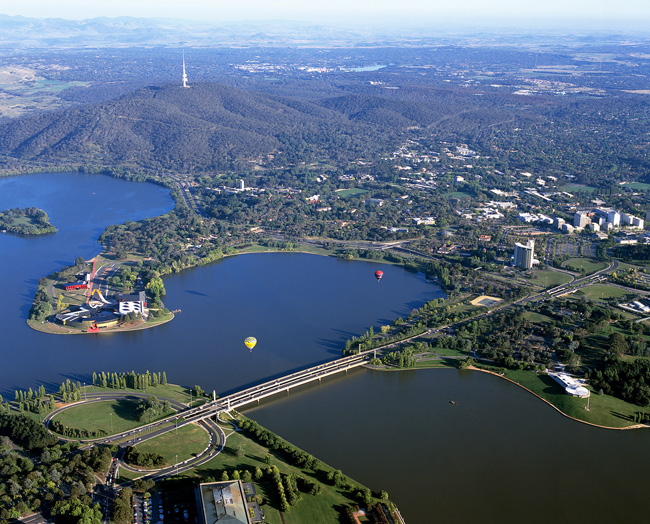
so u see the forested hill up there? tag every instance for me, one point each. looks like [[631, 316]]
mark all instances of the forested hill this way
[[208, 126]]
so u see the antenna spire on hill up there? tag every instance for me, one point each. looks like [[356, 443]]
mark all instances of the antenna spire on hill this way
[[184, 73]]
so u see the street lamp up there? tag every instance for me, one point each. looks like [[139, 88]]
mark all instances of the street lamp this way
[[111, 422], [176, 465]]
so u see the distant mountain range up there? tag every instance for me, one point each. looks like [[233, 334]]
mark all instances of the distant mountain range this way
[[18, 32]]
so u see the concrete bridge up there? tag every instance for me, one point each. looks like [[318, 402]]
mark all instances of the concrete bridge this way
[[273, 387], [246, 396]]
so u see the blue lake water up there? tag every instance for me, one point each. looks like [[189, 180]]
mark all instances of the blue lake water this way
[[301, 308], [497, 456]]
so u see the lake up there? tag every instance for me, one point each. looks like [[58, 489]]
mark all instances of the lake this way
[[301, 308], [498, 455]]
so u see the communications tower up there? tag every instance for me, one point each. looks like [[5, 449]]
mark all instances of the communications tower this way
[[184, 73]]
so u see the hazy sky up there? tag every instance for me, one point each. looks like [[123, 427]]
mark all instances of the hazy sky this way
[[351, 11]]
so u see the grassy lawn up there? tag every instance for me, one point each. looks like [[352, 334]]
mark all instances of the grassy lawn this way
[[603, 409], [351, 192], [449, 352], [185, 442], [540, 318], [315, 509], [623, 266], [441, 363], [160, 318], [577, 188], [97, 416], [549, 278], [588, 264], [456, 194], [166, 391], [638, 185], [602, 292]]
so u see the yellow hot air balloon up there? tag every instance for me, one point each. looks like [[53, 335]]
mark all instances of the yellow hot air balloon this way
[[250, 342]]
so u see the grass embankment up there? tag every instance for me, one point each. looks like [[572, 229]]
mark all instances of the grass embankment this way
[[603, 292], [588, 265], [184, 443], [110, 416], [547, 278], [162, 391], [315, 509], [604, 410]]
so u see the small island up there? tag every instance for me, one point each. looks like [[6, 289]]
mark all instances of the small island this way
[[27, 221]]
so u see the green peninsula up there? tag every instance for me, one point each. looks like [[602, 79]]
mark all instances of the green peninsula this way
[[27, 221]]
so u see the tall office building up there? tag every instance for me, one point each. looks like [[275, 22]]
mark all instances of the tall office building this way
[[525, 254]]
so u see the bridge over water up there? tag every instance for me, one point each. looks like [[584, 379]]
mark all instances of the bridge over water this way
[[245, 397]]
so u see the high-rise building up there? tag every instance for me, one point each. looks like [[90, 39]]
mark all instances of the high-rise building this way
[[525, 254], [581, 220]]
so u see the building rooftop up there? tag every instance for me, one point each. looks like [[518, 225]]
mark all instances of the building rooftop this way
[[224, 502]]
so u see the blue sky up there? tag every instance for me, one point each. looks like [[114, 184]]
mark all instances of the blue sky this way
[[416, 12]]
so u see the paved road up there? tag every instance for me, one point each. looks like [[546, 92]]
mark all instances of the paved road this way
[[153, 430]]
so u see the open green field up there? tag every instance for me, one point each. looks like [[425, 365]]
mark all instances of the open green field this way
[[642, 186], [166, 391], [355, 191], [111, 416], [314, 509], [449, 352], [439, 363], [456, 194], [603, 292], [184, 442], [624, 266], [549, 278], [589, 265], [603, 409], [577, 188], [539, 318]]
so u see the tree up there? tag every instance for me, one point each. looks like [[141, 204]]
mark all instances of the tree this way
[[617, 344], [239, 451], [74, 511]]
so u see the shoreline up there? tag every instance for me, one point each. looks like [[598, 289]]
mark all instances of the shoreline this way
[[56, 329], [52, 326], [634, 426]]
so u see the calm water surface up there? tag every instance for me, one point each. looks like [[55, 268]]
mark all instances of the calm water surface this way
[[497, 455], [300, 307]]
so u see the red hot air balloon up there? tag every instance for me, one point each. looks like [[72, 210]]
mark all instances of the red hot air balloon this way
[[378, 275]]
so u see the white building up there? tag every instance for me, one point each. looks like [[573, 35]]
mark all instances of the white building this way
[[426, 221], [581, 220], [571, 385], [527, 217], [525, 254], [135, 303]]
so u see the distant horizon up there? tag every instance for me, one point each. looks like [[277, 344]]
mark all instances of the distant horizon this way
[[431, 15]]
